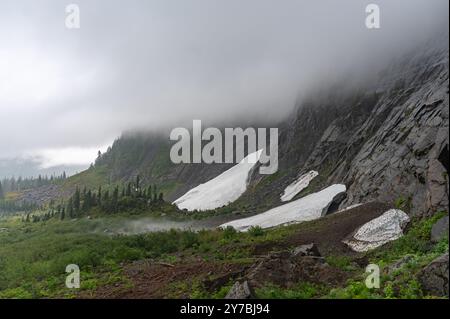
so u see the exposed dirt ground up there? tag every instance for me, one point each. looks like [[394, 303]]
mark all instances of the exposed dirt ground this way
[[328, 232], [156, 280]]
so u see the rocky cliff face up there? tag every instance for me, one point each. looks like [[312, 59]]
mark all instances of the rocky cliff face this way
[[393, 142], [387, 142], [408, 155]]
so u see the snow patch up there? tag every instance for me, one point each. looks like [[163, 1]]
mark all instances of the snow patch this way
[[221, 190], [303, 209], [379, 231], [296, 187]]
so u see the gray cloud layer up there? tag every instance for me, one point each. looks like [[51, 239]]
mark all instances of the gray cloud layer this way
[[149, 64]]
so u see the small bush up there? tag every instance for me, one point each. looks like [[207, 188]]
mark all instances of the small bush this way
[[403, 203], [341, 262], [255, 231], [17, 293], [303, 290], [354, 290], [229, 232]]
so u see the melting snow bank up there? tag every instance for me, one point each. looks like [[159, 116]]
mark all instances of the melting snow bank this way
[[296, 187], [221, 190], [379, 231], [306, 208]]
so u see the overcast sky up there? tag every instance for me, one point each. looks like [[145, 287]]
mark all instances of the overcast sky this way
[[64, 93]]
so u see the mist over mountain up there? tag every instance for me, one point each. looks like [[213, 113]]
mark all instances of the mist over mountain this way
[[153, 65], [20, 167]]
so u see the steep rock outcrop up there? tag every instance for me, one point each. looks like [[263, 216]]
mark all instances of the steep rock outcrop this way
[[402, 158], [386, 142], [440, 229]]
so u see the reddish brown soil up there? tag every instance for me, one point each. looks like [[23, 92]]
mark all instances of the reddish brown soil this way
[[153, 280], [328, 232]]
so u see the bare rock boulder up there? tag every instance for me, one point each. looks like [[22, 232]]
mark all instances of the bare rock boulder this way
[[240, 290], [306, 250], [378, 231], [439, 229], [434, 277]]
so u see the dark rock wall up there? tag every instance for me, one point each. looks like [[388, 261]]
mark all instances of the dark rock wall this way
[[386, 142]]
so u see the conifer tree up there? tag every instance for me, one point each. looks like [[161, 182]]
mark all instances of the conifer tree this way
[[70, 208], [89, 199], [106, 196], [76, 201], [149, 192], [155, 194], [115, 199], [138, 186], [2, 194], [99, 195]]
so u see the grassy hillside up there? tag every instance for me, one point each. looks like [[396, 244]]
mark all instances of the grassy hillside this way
[[130, 155], [33, 257]]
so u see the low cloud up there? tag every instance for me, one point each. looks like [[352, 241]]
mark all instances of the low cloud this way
[[153, 64]]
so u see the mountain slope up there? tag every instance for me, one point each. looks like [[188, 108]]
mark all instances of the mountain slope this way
[[386, 141], [146, 155]]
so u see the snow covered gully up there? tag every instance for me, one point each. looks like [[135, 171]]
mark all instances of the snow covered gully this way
[[304, 209], [221, 190]]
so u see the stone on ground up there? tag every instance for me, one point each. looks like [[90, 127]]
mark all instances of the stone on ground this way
[[378, 231], [434, 277], [240, 291]]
